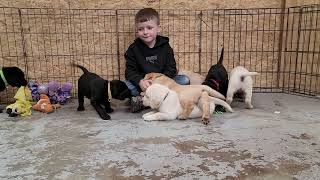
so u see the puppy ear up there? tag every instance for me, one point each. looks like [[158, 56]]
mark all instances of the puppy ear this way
[[158, 95], [152, 96], [148, 76]]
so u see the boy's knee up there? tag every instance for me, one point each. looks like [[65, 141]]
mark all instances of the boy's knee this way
[[134, 91], [182, 79]]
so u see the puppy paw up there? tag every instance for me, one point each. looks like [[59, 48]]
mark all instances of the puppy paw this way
[[149, 118], [182, 117], [109, 110], [105, 117], [144, 116], [249, 106], [205, 121], [80, 108]]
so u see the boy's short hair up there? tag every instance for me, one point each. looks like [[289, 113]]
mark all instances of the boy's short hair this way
[[147, 14]]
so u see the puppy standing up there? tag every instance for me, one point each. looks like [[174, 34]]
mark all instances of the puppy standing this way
[[217, 77], [100, 91], [240, 80]]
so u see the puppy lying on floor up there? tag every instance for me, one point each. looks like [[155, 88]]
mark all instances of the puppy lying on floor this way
[[166, 105], [100, 92], [12, 76], [189, 95], [240, 80]]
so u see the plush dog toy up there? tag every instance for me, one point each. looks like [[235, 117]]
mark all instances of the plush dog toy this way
[[44, 105], [33, 86], [59, 93], [22, 106]]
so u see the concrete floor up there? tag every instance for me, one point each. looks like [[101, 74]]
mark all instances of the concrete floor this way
[[279, 139]]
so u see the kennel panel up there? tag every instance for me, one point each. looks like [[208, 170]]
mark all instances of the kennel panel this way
[[11, 46], [301, 55], [281, 44], [125, 35], [249, 38], [183, 29], [73, 36]]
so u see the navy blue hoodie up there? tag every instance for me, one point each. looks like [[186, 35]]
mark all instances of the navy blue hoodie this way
[[140, 60]]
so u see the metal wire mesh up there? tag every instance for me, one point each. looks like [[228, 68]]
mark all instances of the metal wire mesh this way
[[281, 44]]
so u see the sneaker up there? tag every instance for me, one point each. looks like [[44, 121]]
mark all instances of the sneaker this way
[[136, 104]]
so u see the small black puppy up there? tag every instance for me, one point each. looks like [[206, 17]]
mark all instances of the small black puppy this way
[[12, 76], [97, 89], [217, 77]]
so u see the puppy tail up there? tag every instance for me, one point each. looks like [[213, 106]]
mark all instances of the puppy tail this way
[[245, 74], [222, 103], [213, 92], [221, 57], [81, 67]]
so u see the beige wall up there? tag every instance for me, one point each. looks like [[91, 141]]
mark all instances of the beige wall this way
[[163, 4]]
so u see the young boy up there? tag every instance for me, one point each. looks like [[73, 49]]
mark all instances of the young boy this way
[[150, 52]]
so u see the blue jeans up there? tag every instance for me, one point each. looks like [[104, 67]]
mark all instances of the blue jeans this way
[[180, 79]]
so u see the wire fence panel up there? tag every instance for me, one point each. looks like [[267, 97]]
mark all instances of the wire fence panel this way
[[281, 44], [301, 63]]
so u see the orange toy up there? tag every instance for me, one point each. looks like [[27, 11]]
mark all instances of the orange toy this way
[[44, 105]]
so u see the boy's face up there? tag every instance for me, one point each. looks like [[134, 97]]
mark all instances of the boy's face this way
[[148, 31]]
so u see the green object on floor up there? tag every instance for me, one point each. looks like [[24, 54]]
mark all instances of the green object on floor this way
[[217, 112]]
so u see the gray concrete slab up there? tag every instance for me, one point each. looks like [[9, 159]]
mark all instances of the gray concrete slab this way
[[279, 139]]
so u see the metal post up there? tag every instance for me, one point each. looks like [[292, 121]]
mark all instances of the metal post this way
[[200, 37], [23, 42], [118, 43], [283, 6]]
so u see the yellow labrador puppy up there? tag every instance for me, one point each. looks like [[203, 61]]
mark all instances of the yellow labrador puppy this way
[[166, 105], [189, 95], [240, 80]]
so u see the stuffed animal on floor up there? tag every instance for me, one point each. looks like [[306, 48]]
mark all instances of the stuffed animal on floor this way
[[44, 105], [59, 94], [33, 86], [22, 106]]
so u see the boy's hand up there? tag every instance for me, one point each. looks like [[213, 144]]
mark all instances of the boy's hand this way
[[144, 84]]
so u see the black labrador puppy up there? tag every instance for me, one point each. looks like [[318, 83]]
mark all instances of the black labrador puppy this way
[[99, 90], [12, 76], [217, 79]]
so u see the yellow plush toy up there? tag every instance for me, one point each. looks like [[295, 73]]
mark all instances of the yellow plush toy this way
[[22, 106], [44, 105]]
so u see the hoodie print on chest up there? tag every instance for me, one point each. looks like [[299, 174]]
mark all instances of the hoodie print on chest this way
[[152, 59]]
